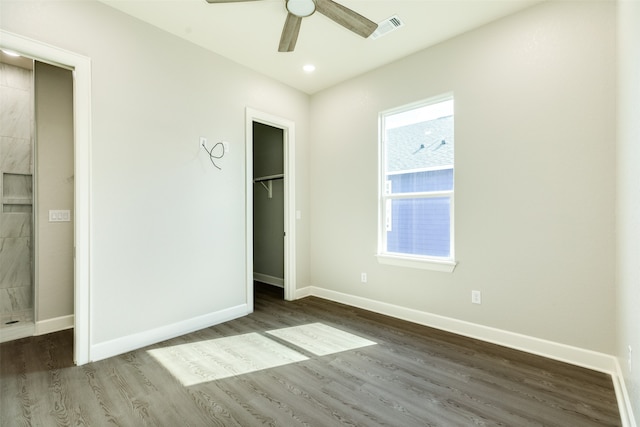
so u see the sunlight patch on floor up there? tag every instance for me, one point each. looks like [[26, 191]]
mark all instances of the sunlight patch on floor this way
[[203, 361], [211, 360], [320, 339]]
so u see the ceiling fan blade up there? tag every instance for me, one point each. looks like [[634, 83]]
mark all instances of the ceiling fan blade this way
[[290, 33], [346, 17]]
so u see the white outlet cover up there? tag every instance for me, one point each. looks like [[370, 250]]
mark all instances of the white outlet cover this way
[[476, 297]]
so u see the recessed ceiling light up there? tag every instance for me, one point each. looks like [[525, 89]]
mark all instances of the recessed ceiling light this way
[[10, 53], [309, 68]]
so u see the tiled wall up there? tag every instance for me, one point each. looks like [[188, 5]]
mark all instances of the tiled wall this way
[[16, 170]]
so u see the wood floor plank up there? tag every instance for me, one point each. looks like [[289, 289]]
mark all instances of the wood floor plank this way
[[412, 376]]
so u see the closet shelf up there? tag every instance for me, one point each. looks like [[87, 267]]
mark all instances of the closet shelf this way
[[269, 179]]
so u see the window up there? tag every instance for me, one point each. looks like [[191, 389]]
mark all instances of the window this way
[[416, 185]]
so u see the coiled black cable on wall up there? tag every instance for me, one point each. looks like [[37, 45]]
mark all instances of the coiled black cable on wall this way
[[211, 153]]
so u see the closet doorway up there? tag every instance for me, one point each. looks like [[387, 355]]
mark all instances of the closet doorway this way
[[270, 203]]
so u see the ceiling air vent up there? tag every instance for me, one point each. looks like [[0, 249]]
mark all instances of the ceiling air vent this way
[[386, 26]]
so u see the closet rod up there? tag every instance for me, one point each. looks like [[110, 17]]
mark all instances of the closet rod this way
[[269, 177]]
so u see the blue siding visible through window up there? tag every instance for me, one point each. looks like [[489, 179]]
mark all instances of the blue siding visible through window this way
[[420, 227], [438, 180]]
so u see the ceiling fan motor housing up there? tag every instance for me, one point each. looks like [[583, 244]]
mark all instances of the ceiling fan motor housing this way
[[301, 8]]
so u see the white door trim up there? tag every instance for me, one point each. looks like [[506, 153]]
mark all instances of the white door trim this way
[[81, 67], [288, 147]]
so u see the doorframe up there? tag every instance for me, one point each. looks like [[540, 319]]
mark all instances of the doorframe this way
[[288, 148], [81, 68]]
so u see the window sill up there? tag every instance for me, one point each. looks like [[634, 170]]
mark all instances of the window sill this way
[[422, 263]]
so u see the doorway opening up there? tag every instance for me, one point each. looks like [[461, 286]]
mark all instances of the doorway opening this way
[[270, 203], [37, 188], [80, 67]]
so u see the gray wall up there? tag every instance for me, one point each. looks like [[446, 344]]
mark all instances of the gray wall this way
[[167, 243], [535, 176], [268, 213], [54, 174]]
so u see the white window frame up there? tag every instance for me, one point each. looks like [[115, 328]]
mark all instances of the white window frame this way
[[444, 264]]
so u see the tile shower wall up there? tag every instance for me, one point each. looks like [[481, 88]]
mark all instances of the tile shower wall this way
[[16, 171]]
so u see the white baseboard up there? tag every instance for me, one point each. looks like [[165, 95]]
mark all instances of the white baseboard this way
[[577, 356], [622, 395], [142, 339], [593, 360], [305, 292], [54, 325], [269, 280]]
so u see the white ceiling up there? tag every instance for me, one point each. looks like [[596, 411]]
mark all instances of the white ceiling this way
[[249, 32]]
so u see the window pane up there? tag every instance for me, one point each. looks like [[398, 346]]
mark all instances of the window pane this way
[[419, 139], [420, 226], [417, 156]]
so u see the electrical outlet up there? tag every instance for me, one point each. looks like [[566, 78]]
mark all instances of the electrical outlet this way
[[363, 277], [630, 357], [203, 142], [476, 297]]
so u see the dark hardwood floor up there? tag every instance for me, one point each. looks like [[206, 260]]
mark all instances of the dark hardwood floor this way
[[414, 376]]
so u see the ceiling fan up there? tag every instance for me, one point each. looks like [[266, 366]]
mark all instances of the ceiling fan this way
[[298, 9]]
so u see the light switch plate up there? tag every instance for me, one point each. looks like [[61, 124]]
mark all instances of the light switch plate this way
[[59, 215]]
